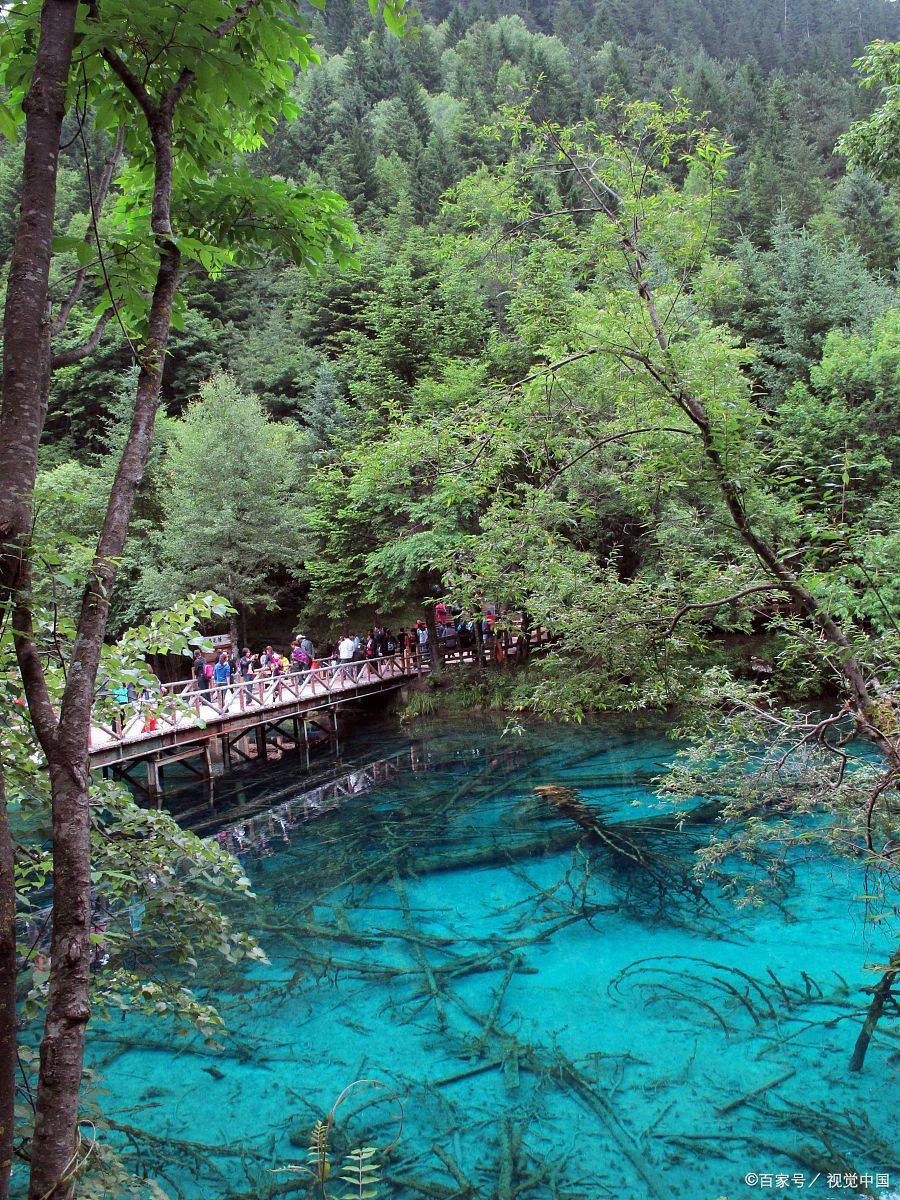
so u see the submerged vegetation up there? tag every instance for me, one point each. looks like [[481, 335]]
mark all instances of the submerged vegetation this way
[[561, 1012], [586, 313]]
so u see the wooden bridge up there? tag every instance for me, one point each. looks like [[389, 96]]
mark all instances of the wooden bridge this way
[[208, 731]]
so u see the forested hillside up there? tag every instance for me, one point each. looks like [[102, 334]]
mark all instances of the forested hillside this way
[[577, 318], [441, 313]]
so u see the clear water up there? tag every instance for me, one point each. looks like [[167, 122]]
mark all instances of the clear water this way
[[642, 1043]]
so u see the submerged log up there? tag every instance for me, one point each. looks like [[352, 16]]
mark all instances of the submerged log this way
[[626, 841], [541, 1062], [419, 954], [761, 1090], [466, 1189], [880, 995], [492, 1016], [618, 1134]]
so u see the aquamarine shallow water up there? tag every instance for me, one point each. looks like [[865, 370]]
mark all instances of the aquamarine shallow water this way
[[633, 1031]]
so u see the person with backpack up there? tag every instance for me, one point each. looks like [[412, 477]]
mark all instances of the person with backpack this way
[[276, 666], [245, 674], [346, 654], [198, 669], [208, 670], [301, 659]]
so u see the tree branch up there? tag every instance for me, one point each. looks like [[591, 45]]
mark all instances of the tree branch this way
[[706, 604], [240, 12], [132, 83], [615, 437], [65, 358], [97, 203]]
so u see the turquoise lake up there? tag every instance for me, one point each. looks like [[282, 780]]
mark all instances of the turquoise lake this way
[[557, 1016]]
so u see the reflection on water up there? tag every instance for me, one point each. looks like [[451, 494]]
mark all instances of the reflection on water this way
[[562, 1014], [260, 835]]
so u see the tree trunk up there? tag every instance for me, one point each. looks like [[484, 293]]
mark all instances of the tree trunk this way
[[54, 1146], [26, 316], [437, 646], [54, 1149], [880, 994], [8, 1026], [26, 339], [478, 630], [872, 712]]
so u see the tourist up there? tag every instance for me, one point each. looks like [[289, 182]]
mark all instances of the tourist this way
[[265, 659], [405, 645], [245, 674], [122, 697], [423, 640], [277, 668], [294, 656], [307, 647], [262, 675], [301, 657], [222, 679], [198, 669], [347, 649]]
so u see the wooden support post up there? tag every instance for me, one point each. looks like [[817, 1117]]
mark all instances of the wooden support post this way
[[306, 741], [214, 751], [154, 782], [210, 779], [262, 746]]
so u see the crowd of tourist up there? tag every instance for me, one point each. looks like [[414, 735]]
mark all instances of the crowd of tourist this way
[[260, 676], [251, 674]]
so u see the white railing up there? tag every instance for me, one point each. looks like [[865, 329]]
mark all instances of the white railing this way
[[185, 705]]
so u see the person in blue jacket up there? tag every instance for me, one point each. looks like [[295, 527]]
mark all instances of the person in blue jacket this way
[[222, 679]]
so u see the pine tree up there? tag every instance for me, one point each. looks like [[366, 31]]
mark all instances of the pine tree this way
[[425, 61], [355, 165], [436, 169], [325, 411], [456, 26], [400, 134], [413, 98], [226, 527], [871, 220], [339, 21]]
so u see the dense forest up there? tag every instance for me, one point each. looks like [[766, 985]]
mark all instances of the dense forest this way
[[585, 311], [274, 507]]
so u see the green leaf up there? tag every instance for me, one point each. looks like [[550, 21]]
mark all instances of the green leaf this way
[[9, 127]]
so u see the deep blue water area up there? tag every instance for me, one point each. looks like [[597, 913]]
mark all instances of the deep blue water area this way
[[557, 1011]]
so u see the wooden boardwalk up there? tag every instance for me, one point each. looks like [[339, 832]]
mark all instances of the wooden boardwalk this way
[[234, 722], [206, 733]]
